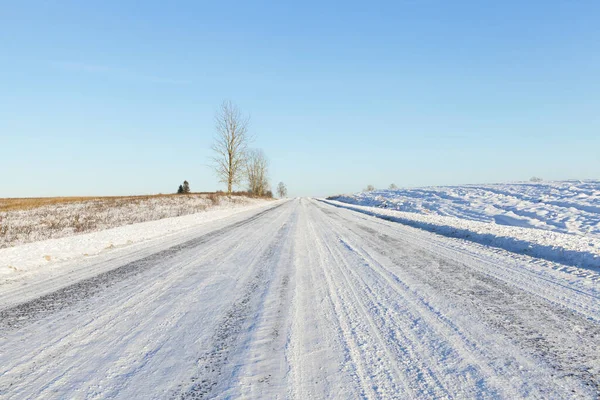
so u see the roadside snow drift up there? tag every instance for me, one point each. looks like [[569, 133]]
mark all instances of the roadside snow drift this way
[[566, 206], [558, 221]]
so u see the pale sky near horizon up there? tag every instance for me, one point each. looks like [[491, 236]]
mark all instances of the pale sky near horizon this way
[[118, 97]]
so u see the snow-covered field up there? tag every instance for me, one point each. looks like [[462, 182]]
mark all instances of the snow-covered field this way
[[302, 300], [58, 220], [564, 206], [58, 246], [556, 221]]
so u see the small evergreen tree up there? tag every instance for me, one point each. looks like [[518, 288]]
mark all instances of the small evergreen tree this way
[[186, 187], [180, 190]]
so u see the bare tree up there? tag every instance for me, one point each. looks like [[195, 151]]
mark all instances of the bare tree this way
[[281, 190], [393, 186], [369, 188], [257, 170], [231, 142], [536, 179]]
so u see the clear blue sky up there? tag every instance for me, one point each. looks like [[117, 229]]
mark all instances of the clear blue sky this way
[[116, 97]]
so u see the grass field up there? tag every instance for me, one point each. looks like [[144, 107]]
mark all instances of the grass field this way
[[24, 220], [28, 203]]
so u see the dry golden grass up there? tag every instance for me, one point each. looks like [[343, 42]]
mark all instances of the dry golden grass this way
[[19, 204], [24, 220]]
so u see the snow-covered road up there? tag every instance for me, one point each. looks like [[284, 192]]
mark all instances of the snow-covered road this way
[[304, 300]]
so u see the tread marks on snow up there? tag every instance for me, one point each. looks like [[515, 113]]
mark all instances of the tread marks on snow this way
[[212, 365], [492, 297]]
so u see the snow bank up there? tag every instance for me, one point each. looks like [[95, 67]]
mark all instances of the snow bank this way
[[579, 251], [17, 260], [565, 206]]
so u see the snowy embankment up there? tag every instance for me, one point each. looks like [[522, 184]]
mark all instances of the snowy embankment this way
[[435, 210], [33, 257], [564, 206]]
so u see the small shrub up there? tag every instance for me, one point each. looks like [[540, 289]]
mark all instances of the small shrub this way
[[3, 228], [214, 198]]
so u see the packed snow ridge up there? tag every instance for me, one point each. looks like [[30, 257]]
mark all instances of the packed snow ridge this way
[[557, 221]]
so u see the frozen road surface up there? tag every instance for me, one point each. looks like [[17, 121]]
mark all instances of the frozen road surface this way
[[303, 300]]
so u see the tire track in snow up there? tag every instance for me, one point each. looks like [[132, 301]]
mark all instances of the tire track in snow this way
[[432, 348], [408, 339], [514, 314], [319, 354], [239, 319], [266, 364], [364, 341]]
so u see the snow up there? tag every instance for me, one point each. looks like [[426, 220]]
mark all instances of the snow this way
[[67, 219], [301, 299], [36, 257], [557, 221], [562, 206]]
